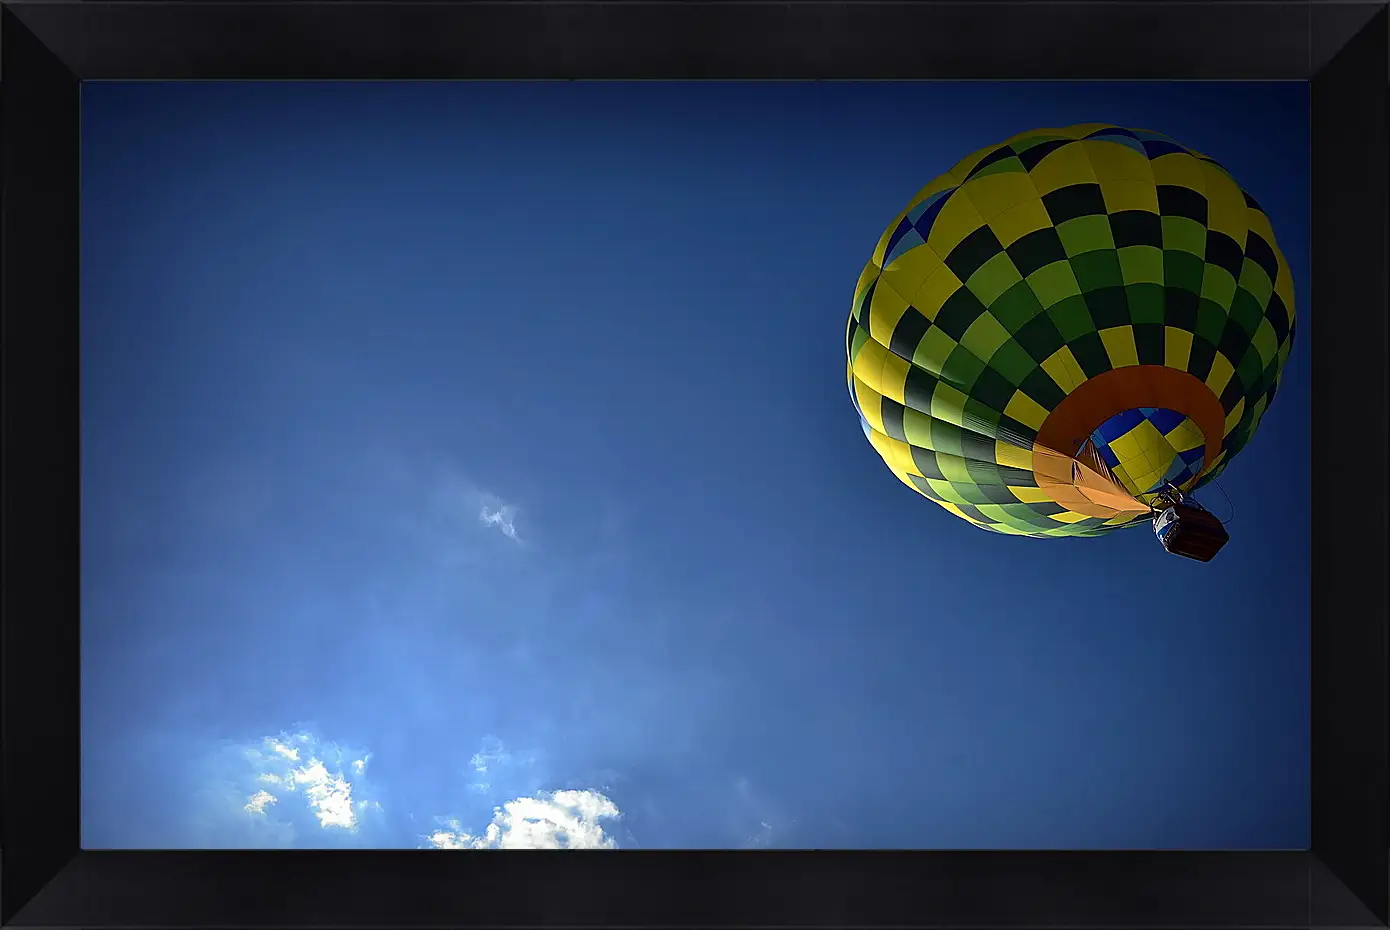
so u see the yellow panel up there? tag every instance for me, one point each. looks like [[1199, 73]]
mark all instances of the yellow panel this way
[[939, 183], [1031, 495], [892, 381], [1020, 220], [1259, 223], [940, 285], [1219, 376], [1062, 367], [1178, 344], [883, 444], [1011, 456], [1126, 447], [869, 361], [1120, 346], [1114, 161], [1026, 410], [868, 400], [1065, 132], [1234, 417], [1284, 284], [1067, 516], [1129, 195], [1180, 169], [961, 169], [868, 274], [902, 460], [993, 194], [907, 273], [1061, 168], [885, 310], [1185, 436], [958, 219], [1226, 205]]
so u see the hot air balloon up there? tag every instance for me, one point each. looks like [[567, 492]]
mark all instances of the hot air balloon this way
[[1069, 332]]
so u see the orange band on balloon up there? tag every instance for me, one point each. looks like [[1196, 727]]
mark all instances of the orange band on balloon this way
[[1091, 404]]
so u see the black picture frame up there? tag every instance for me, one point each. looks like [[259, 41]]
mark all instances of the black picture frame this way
[[49, 47]]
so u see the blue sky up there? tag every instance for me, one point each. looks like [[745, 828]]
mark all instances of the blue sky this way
[[472, 464]]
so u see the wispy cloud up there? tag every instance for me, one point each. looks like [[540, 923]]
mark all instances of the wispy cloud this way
[[258, 801], [303, 766], [551, 820], [492, 752], [494, 513], [328, 794]]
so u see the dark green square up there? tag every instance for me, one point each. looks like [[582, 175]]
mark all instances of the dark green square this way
[[1072, 317], [1146, 302], [987, 478], [1040, 338], [945, 437], [975, 447], [1200, 358], [961, 368], [980, 417], [1149, 343], [1246, 311], [1109, 307], [1251, 371], [1012, 361], [992, 389], [1097, 269], [973, 251], [1184, 269], [1234, 392], [1212, 320], [1043, 389], [1180, 308], [1015, 433], [925, 461], [1016, 306], [1034, 250], [1234, 342], [1090, 353], [958, 312]]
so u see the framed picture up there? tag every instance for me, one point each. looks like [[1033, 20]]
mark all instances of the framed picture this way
[[438, 430]]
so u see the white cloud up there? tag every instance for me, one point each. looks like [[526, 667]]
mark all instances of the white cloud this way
[[256, 804], [499, 516], [559, 820], [289, 752], [329, 795], [301, 765]]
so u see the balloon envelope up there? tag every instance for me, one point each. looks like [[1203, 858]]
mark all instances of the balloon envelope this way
[[1065, 323]]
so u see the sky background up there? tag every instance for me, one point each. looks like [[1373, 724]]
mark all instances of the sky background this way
[[472, 464]]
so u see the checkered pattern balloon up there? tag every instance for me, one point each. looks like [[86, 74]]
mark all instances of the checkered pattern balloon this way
[[1066, 322]]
